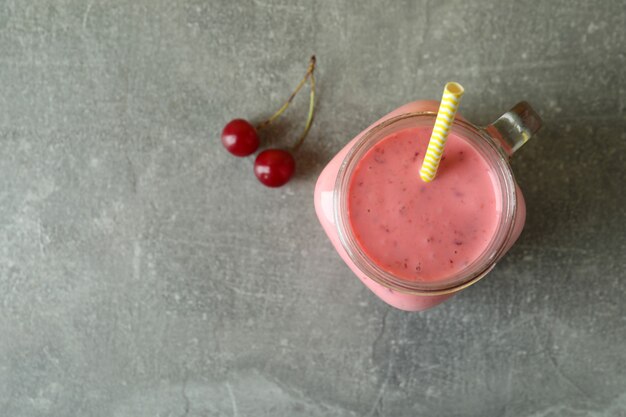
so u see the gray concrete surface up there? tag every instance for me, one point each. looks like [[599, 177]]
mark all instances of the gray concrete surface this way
[[145, 272]]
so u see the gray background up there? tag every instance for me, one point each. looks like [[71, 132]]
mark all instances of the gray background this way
[[145, 272]]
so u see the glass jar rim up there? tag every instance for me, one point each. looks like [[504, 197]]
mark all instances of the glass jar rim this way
[[497, 160]]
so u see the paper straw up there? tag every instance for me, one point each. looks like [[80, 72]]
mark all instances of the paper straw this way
[[445, 116]]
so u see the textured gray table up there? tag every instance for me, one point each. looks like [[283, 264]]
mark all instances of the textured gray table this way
[[145, 272]]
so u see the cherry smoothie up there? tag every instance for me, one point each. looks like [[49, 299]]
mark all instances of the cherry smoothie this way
[[416, 244], [421, 231]]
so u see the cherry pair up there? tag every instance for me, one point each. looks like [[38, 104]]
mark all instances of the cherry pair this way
[[273, 167]]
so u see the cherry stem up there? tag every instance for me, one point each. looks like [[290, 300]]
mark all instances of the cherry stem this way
[[309, 119], [309, 73]]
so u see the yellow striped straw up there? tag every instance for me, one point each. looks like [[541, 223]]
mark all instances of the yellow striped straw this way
[[445, 116]]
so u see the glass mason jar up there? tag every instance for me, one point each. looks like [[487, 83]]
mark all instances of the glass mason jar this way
[[495, 143]]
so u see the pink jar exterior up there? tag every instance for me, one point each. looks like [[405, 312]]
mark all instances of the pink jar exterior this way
[[324, 190]]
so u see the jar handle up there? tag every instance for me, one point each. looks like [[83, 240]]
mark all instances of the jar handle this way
[[515, 127]]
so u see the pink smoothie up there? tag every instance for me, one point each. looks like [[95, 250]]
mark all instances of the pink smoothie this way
[[418, 231], [325, 207]]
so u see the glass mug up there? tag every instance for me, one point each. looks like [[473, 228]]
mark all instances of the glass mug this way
[[495, 143]]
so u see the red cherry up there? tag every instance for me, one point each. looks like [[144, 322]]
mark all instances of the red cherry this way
[[239, 137], [274, 167]]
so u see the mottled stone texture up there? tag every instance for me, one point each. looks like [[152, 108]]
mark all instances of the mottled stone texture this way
[[145, 272]]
